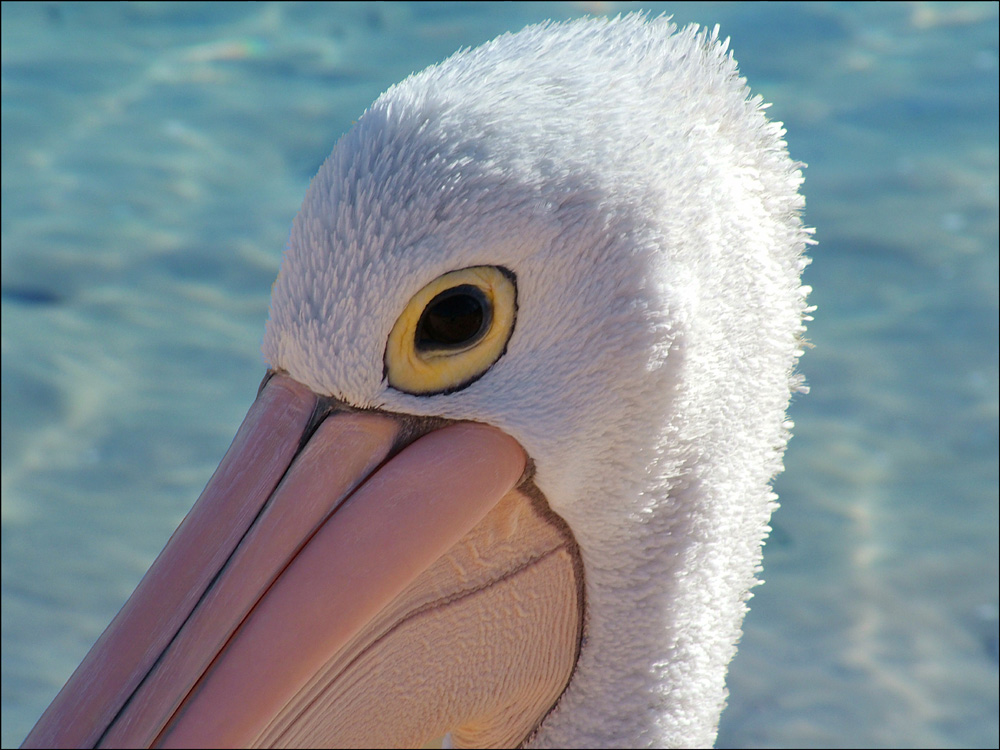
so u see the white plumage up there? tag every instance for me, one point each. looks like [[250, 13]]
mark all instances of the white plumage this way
[[650, 212]]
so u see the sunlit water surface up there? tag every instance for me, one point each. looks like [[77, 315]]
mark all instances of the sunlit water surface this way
[[154, 156]]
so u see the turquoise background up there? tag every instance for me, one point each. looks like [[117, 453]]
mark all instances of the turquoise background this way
[[154, 156]]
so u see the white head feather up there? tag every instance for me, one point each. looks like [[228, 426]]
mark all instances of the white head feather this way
[[651, 215]]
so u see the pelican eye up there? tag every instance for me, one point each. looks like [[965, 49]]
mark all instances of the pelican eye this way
[[452, 331], [455, 319]]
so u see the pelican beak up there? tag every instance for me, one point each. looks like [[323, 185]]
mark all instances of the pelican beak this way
[[347, 578]]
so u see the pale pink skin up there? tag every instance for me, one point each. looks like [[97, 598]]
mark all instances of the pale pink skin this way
[[272, 572]]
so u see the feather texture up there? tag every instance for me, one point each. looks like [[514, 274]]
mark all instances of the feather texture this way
[[622, 170]]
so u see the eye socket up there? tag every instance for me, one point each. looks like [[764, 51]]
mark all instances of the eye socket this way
[[452, 331]]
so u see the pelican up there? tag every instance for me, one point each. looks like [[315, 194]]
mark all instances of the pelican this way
[[507, 477]]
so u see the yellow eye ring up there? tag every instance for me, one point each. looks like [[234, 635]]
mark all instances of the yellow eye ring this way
[[452, 331]]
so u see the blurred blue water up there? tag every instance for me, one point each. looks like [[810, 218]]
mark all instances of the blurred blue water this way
[[154, 156]]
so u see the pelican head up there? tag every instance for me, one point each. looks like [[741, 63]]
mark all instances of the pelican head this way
[[508, 476]]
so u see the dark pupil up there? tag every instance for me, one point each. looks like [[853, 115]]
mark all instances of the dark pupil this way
[[455, 318]]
